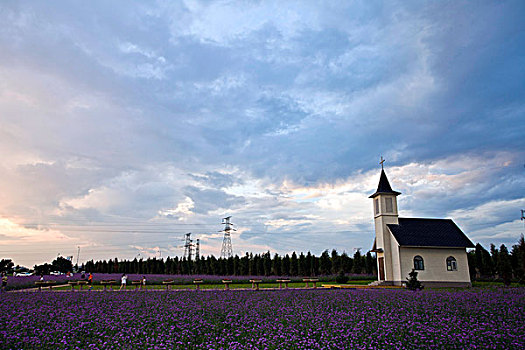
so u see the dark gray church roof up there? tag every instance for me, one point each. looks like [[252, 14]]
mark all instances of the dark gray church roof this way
[[384, 186], [429, 233]]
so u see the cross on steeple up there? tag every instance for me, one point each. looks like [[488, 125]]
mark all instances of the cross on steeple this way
[[381, 162]]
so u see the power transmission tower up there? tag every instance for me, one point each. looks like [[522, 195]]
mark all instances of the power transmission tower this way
[[197, 250], [188, 246], [227, 251]]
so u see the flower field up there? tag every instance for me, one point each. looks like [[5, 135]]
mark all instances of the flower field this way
[[281, 319]]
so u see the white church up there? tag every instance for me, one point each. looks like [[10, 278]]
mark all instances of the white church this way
[[435, 248]]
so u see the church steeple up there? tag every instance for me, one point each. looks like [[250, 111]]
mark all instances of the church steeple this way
[[384, 186], [385, 201], [385, 213]]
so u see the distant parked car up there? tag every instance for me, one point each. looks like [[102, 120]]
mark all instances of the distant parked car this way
[[56, 273], [23, 274]]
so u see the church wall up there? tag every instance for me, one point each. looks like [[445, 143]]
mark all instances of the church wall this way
[[435, 263], [396, 256]]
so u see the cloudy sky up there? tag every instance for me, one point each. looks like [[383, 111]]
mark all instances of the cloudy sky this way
[[124, 125]]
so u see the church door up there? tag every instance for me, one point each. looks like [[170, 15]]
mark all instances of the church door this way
[[381, 269]]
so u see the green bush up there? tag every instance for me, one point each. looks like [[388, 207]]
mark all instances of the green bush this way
[[412, 281], [342, 278]]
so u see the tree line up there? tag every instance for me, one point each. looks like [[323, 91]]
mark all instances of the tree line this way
[[493, 264], [248, 265], [498, 264]]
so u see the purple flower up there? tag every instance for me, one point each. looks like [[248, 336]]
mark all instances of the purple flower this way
[[280, 319]]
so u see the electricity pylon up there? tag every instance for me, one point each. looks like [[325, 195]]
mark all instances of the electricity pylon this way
[[188, 247], [227, 251]]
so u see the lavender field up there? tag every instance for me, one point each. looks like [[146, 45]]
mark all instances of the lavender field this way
[[287, 319]]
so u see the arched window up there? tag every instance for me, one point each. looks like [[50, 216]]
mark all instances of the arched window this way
[[418, 263], [452, 265]]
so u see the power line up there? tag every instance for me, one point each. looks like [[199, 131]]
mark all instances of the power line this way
[[211, 233], [100, 229], [119, 247], [113, 223]]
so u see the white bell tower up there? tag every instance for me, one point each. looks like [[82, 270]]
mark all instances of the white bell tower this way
[[385, 212]]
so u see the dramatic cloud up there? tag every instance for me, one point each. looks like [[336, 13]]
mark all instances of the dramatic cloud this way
[[125, 125]]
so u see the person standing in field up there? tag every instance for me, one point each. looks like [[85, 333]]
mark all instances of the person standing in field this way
[[4, 281], [123, 281], [144, 281], [90, 281]]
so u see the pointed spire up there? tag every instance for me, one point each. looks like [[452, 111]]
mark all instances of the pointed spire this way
[[384, 186]]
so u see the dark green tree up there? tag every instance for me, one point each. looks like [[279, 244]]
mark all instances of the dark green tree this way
[[62, 264], [310, 264], [346, 262], [325, 264], [6, 265], [504, 266], [302, 265], [494, 254], [412, 281], [294, 265], [472, 265], [256, 265], [267, 263], [484, 265], [518, 260], [176, 265], [43, 269], [221, 263], [229, 266], [276, 265], [285, 265], [245, 264], [237, 265], [342, 278], [260, 265], [315, 266], [115, 267], [370, 264], [252, 267], [358, 262], [89, 266], [336, 262], [214, 265]]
